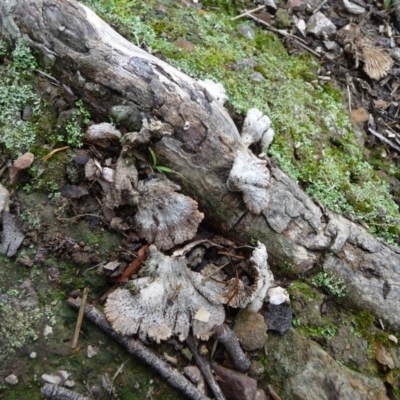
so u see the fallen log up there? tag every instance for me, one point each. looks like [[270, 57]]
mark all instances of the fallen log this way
[[115, 78]]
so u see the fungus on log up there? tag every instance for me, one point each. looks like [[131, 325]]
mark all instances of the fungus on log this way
[[250, 176], [256, 128], [115, 78]]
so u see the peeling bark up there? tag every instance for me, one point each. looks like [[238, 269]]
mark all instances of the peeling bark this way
[[116, 78]]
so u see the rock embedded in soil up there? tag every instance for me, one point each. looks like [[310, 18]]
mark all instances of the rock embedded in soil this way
[[251, 330], [303, 370], [320, 26], [235, 385], [11, 380], [279, 318]]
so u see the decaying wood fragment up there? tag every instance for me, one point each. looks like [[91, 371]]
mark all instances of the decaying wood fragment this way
[[205, 369], [80, 318], [55, 392], [229, 340], [136, 348]]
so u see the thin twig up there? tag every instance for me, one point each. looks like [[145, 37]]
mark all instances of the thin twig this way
[[299, 40], [80, 318], [320, 6], [248, 12], [136, 348], [229, 340], [273, 394], [55, 151], [381, 137], [205, 369], [349, 97]]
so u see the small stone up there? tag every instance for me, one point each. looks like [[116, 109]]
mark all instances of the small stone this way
[[48, 330], [250, 328], [235, 385], [92, 351], [256, 369], [246, 31], [102, 134], [260, 395], [11, 380], [296, 5], [24, 161], [257, 77], [192, 373], [4, 199], [282, 18], [393, 338], [320, 26], [21, 163], [69, 383], [33, 355], [382, 356], [279, 318], [27, 112], [52, 379]]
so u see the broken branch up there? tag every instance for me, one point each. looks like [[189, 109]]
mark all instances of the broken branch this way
[[205, 369], [229, 340], [136, 348]]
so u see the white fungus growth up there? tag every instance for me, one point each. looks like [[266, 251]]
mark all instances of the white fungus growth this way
[[214, 91], [165, 302], [250, 176], [256, 128], [164, 217]]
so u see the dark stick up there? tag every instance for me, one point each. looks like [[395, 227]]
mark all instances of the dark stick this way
[[229, 340], [136, 348], [205, 369]]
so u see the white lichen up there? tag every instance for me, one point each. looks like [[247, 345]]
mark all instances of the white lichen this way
[[250, 176]]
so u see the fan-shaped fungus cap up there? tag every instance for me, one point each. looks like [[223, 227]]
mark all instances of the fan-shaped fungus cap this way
[[254, 126], [250, 176], [235, 292], [165, 217], [164, 303]]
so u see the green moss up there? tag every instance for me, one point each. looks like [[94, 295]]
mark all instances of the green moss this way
[[314, 142]]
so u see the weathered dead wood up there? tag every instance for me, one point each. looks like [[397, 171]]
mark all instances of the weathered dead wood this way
[[230, 341], [116, 78], [205, 369], [136, 348]]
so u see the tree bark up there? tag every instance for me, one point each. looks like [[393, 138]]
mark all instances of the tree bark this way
[[116, 78]]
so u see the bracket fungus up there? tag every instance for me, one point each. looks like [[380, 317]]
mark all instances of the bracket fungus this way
[[168, 298], [257, 127], [250, 176], [236, 292], [165, 217], [165, 302]]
